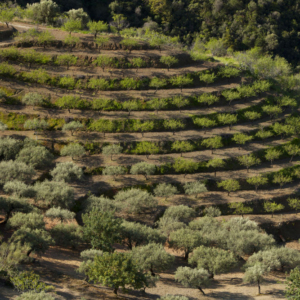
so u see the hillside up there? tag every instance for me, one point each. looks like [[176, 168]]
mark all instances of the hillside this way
[[212, 137]]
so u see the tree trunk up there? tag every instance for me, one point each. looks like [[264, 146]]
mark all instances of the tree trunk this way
[[228, 193], [152, 272], [116, 290], [186, 254], [28, 252], [215, 173], [291, 158], [200, 289], [258, 285]]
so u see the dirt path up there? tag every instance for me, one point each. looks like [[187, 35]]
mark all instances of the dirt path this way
[[112, 115]]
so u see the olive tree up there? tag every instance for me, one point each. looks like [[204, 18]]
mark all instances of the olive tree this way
[[36, 156], [135, 201], [241, 139], [257, 181], [53, 193], [214, 260], [111, 150], [194, 188], [208, 99], [116, 270], [227, 119], [157, 83], [60, 213], [72, 25], [67, 235], [101, 229], [34, 99], [185, 239], [37, 240], [18, 188], [216, 163], [272, 154], [100, 41], [13, 170], [67, 172], [229, 185], [212, 212], [294, 203], [74, 150], [3, 126], [213, 143], [173, 124], [181, 81], [180, 213], [281, 179], [9, 147], [129, 44], [256, 274], [165, 190], [152, 257], [43, 12], [192, 278], [240, 208], [96, 27], [73, 126], [135, 234], [205, 123], [169, 61], [143, 168], [182, 146], [248, 161], [114, 170], [185, 166], [138, 62], [30, 220], [36, 125], [66, 60], [292, 150], [273, 207], [180, 102]]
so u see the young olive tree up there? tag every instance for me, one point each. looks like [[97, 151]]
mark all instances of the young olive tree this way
[[272, 154], [129, 44], [67, 172], [147, 148], [207, 78], [192, 278], [152, 257], [182, 146], [194, 188], [227, 119], [214, 260], [111, 150], [169, 61], [294, 203], [66, 60], [181, 81], [165, 190], [52, 193], [216, 163], [281, 179], [208, 99], [143, 168], [213, 143], [256, 274], [34, 99], [36, 125], [96, 27], [74, 150], [292, 150], [248, 161], [135, 201], [272, 207], [229, 185], [157, 83], [185, 166], [241, 139], [180, 102], [100, 41], [114, 171], [205, 123], [257, 181], [240, 208]]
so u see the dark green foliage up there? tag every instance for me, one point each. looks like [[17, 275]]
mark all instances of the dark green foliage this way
[[101, 229]]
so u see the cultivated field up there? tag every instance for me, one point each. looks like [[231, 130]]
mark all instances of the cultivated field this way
[[168, 124]]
